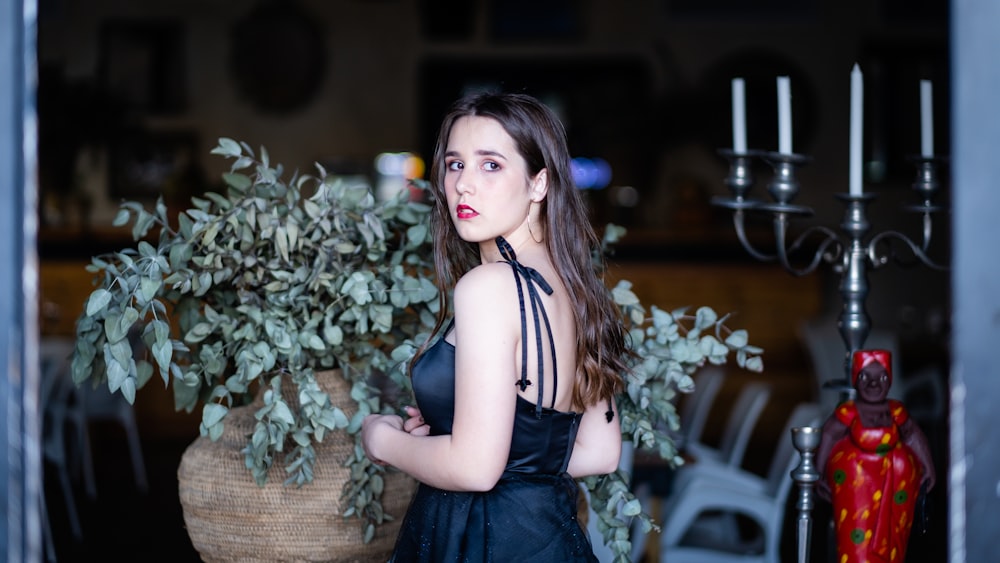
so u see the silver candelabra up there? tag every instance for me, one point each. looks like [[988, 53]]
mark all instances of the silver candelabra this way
[[850, 252]]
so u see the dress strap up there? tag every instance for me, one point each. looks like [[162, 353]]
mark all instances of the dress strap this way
[[537, 310]]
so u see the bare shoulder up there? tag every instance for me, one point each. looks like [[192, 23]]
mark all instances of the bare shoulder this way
[[486, 306], [489, 292], [485, 280]]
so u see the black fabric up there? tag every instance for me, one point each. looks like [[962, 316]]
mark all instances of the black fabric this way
[[530, 515]]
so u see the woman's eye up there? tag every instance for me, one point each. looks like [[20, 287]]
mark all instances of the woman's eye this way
[[454, 165], [491, 166]]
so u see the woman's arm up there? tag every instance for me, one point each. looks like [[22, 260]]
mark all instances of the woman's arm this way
[[598, 445], [473, 456]]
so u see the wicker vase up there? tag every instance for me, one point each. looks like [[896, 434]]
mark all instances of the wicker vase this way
[[229, 518]]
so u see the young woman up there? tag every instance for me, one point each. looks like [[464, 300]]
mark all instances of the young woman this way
[[516, 396], [875, 461]]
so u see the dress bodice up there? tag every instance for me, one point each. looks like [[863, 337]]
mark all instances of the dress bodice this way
[[543, 437], [540, 444]]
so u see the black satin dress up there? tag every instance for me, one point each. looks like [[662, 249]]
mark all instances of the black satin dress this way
[[530, 515]]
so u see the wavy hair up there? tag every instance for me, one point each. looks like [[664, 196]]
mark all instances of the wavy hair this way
[[602, 355]]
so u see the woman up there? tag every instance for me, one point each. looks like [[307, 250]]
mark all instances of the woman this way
[[876, 462], [516, 396]]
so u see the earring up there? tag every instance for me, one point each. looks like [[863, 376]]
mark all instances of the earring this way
[[532, 233]]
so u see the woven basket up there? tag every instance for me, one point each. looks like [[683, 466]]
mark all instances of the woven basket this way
[[229, 518]]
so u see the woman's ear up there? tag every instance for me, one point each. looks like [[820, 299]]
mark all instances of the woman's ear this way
[[540, 185]]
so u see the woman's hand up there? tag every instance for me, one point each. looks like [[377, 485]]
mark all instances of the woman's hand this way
[[415, 424], [372, 426]]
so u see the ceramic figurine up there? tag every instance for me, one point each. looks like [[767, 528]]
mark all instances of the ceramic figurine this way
[[875, 462]]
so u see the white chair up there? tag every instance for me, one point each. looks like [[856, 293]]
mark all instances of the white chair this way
[[693, 417], [742, 419], [731, 490], [695, 407], [740, 424]]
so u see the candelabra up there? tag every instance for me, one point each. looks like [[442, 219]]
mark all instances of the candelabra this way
[[850, 252]]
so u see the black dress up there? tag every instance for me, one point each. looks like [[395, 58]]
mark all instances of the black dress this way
[[530, 515]]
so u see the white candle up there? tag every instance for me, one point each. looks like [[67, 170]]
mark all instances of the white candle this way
[[857, 111], [739, 117], [926, 120], [784, 116]]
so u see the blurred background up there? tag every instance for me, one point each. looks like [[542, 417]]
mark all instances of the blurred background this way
[[132, 96]]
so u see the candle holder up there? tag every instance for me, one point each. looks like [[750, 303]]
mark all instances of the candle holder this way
[[805, 439], [850, 250]]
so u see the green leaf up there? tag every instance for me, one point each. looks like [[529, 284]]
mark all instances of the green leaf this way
[[333, 335], [208, 236], [316, 343], [213, 413], [198, 332], [369, 533], [632, 508], [128, 390], [738, 339], [148, 288], [117, 374], [143, 373], [97, 301], [417, 234], [623, 295], [282, 413], [162, 352], [121, 217], [227, 147], [705, 318]]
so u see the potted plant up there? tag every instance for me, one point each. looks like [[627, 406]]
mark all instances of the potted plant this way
[[256, 291], [252, 293]]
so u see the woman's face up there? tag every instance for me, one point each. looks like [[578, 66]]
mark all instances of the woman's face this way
[[873, 383], [486, 181]]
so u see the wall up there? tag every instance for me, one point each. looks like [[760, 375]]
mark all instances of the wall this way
[[660, 126], [368, 100]]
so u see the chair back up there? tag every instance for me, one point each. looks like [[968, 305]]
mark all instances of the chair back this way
[[742, 420], [695, 408]]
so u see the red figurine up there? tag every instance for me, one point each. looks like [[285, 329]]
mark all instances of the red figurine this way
[[875, 462]]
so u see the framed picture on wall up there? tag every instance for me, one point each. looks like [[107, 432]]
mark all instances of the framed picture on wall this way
[[142, 65]]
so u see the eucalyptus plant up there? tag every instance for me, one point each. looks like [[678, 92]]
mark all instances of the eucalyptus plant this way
[[267, 282]]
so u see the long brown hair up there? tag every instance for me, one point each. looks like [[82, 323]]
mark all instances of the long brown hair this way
[[602, 352]]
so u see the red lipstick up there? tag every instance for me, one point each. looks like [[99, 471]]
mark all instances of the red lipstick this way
[[465, 212]]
